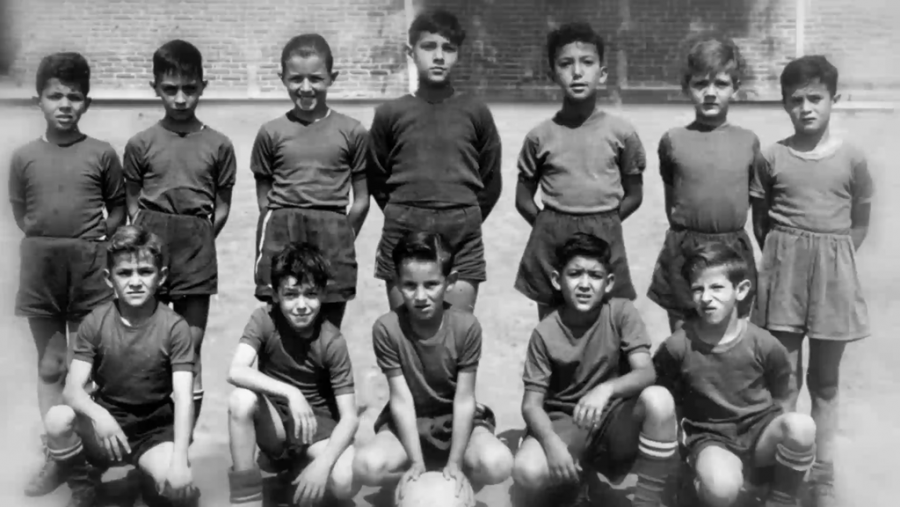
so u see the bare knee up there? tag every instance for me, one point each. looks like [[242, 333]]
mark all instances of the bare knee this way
[[343, 484], [658, 404], [798, 430], [59, 421], [370, 465], [243, 405], [719, 477], [529, 469], [822, 387], [52, 367], [492, 465]]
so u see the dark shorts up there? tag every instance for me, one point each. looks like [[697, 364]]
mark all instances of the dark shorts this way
[[294, 449], [61, 278], [328, 230], [612, 448], [436, 433], [740, 441], [145, 427], [671, 291], [551, 229], [808, 284], [190, 252], [460, 227]]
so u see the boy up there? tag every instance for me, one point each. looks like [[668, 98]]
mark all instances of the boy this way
[[59, 187], [298, 405], [434, 162], [706, 169], [588, 164], [589, 396], [430, 353], [179, 175], [811, 203], [304, 163], [139, 353], [731, 382]]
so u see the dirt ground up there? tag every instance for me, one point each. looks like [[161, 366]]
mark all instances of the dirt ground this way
[[870, 419]]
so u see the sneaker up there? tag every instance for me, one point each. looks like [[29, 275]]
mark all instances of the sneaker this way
[[83, 497], [47, 479]]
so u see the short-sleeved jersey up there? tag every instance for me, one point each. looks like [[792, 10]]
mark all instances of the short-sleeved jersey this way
[[310, 165], [180, 173], [726, 384], [813, 192], [319, 367], [133, 365], [564, 367], [709, 171], [430, 366], [433, 154], [64, 189], [580, 168]]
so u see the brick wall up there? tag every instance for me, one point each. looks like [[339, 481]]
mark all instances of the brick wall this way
[[504, 55]]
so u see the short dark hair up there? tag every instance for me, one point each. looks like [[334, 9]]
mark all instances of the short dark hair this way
[[70, 68], [423, 247], [134, 240], [302, 261], [572, 32], [437, 21], [711, 56], [178, 57], [584, 245], [306, 45], [806, 69], [715, 254]]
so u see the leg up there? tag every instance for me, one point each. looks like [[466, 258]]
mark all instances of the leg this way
[[794, 344], [720, 476], [252, 421], [67, 448], [195, 310], [381, 462], [334, 312], [463, 295], [788, 442], [657, 444], [487, 461], [342, 484], [154, 465], [530, 471], [823, 379], [395, 298]]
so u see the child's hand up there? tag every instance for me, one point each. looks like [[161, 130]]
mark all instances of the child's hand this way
[[589, 411], [453, 473], [303, 417], [411, 475], [563, 467], [111, 436], [311, 484], [178, 483]]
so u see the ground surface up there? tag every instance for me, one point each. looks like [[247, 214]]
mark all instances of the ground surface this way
[[870, 425]]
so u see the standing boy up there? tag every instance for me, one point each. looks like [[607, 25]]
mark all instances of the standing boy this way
[[706, 169], [435, 162], [588, 164], [140, 355], [59, 187], [811, 203], [590, 402], [179, 175], [304, 163], [430, 353], [731, 382]]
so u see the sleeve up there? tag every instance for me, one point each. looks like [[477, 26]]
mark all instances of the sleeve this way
[[760, 173], [134, 166], [112, 179], [16, 183], [255, 332], [359, 152], [340, 369], [226, 165], [633, 334], [862, 188], [378, 169], [261, 155], [666, 163], [632, 158], [490, 148], [537, 365], [470, 353], [529, 163], [181, 347], [667, 363], [87, 340], [387, 354], [777, 369]]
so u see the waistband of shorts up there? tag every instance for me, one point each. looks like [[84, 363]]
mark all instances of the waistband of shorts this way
[[177, 217], [810, 234], [609, 213], [436, 207], [311, 209], [97, 240], [679, 228]]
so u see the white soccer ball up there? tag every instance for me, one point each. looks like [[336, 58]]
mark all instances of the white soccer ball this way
[[432, 489]]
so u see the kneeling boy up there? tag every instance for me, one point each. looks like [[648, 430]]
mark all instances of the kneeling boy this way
[[430, 354], [731, 381], [581, 407], [299, 404], [140, 355]]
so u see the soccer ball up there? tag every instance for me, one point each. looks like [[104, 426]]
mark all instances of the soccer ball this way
[[432, 489]]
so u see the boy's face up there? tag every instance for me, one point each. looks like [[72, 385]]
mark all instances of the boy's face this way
[[307, 80], [422, 285], [809, 107], [583, 282], [180, 95], [578, 70], [711, 94], [299, 302], [434, 56], [62, 105], [715, 297], [135, 278]]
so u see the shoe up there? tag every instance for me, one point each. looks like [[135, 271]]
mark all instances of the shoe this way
[[47, 479], [822, 495], [84, 482]]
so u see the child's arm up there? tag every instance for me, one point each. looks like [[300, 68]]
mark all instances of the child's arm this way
[[226, 174], [778, 374], [403, 412], [490, 157], [529, 166], [261, 159], [178, 479], [113, 192], [634, 195], [632, 162], [378, 168], [563, 466], [464, 398], [667, 171], [760, 194], [359, 154], [133, 168], [16, 189], [862, 189], [668, 374]]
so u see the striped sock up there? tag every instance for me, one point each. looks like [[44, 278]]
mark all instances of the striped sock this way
[[198, 403], [246, 486], [790, 470], [656, 461], [66, 454]]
